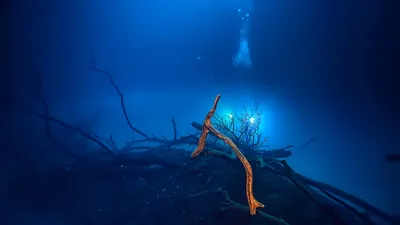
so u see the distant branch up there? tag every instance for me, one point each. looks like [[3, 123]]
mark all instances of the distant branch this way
[[121, 96], [39, 94], [307, 143], [70, 127], [174, 127]]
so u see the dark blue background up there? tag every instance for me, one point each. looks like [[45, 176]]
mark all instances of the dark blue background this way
[[320, 68]]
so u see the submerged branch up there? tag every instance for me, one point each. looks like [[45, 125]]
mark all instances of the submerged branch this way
[[207, 127]]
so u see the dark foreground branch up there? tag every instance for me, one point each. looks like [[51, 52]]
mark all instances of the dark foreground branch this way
[[285, 170], [357, 201], [230, 204]]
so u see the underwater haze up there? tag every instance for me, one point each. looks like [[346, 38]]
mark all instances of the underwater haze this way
[[323, 75]]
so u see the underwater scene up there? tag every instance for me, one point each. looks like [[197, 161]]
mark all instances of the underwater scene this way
[[200, 112]]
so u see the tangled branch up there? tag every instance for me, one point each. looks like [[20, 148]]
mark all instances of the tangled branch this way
[[47, 118], [107, 144], [207, 127], [243, 129], [164, 142]]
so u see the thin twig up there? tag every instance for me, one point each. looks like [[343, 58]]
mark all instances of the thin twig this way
[[121, 97]]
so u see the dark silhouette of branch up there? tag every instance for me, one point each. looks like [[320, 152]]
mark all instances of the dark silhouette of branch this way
[[42, 100], [280, 169], [68, 126], [146, 137], [174, 127], [307, 143], [230, 204], [347, 206], [121, 96]]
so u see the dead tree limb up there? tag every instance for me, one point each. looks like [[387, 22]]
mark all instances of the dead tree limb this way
[[207, 127], [306, 144], [174, 127], [121, 97], [47, 118], [288, 172], [46, 109], [68, 126], [357, 201], [230, 204], [275, 153], [347, 206], [146, 137]]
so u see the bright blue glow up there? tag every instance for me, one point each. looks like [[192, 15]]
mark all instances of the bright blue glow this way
[[252, 120], [230, 115], [242, 57]]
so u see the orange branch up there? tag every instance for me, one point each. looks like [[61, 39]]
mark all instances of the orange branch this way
[[207, 127], [205, 130], [253, 203]]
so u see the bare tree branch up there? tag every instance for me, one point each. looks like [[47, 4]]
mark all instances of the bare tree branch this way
[[230, 204], [121, 96], [68, 126]]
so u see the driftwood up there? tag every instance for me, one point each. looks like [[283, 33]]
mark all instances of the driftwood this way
[[217, 171], [207, 128], [177, 160]]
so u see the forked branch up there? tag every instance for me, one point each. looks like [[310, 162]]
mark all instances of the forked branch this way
[[207, 127], [121, 97]]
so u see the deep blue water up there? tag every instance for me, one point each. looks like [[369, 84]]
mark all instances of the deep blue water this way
[[324, 69]]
